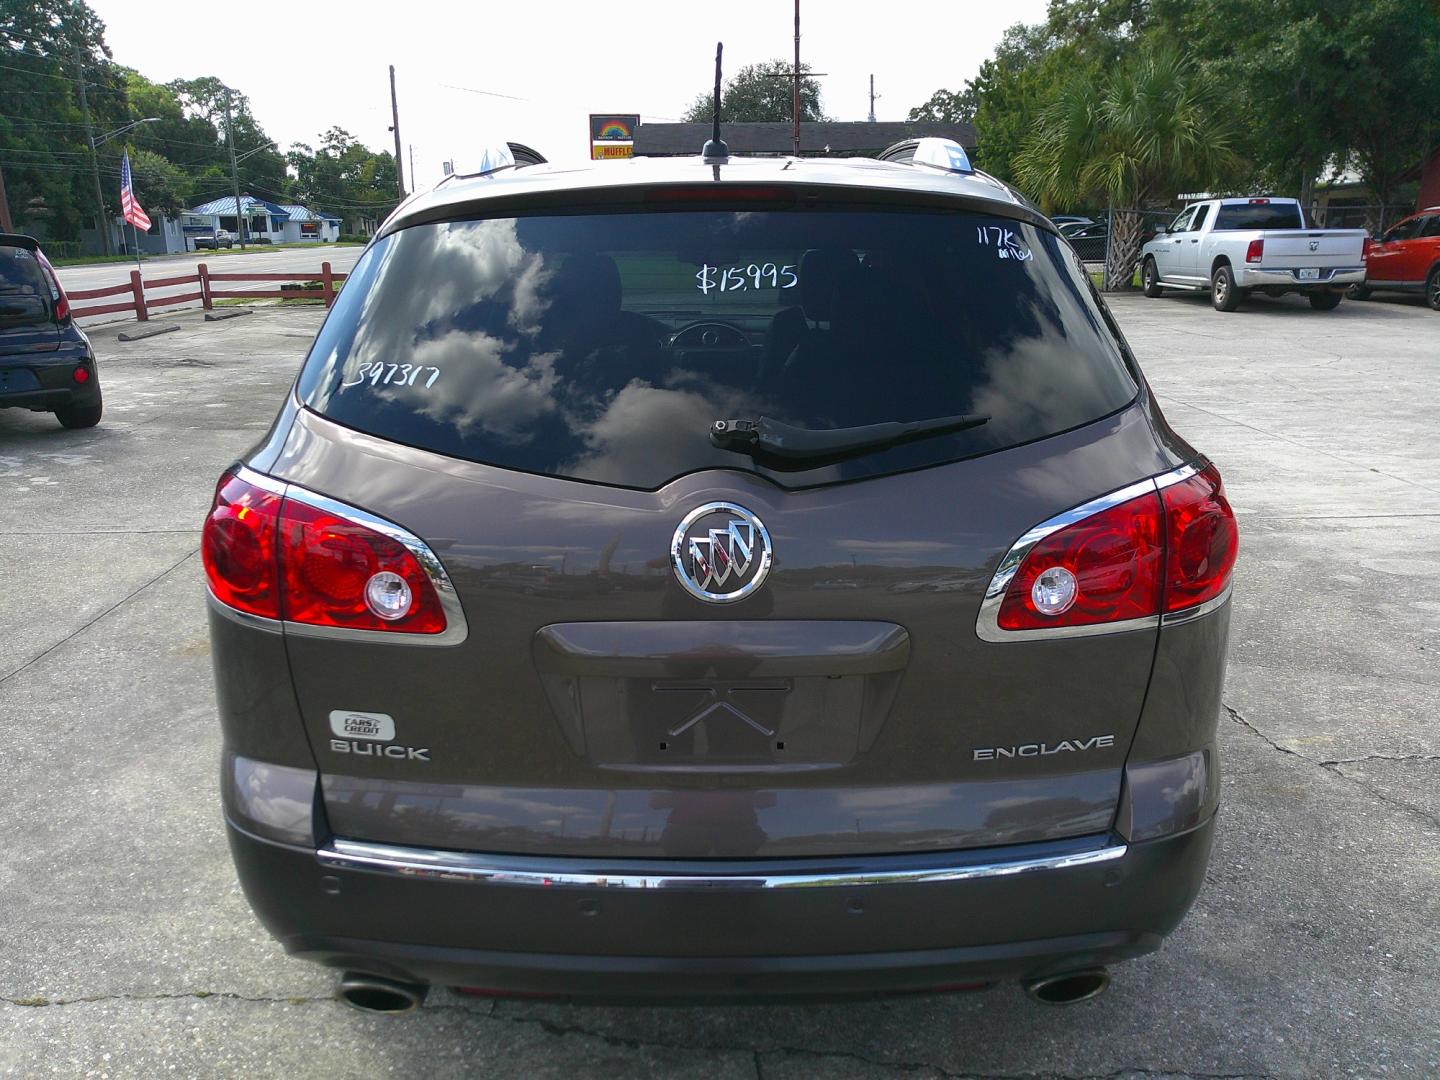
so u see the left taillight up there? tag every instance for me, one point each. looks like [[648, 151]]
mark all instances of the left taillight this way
[[238, 546], [338, 572], [59, 301], [1255, 251], [314, 563]]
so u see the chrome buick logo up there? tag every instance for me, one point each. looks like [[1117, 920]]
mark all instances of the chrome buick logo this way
[[721, 552]]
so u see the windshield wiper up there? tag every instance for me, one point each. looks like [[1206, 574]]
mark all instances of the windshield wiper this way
[[798, 444]]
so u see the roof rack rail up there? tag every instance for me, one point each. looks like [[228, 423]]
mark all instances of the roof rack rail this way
[[496, 158], [945, 154]]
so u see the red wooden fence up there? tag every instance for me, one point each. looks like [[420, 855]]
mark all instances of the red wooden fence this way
[[140, 306]]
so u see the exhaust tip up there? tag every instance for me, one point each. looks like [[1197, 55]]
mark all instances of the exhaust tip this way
[[377, 994], [1070, 987]]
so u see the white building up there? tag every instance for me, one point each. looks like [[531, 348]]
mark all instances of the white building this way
[[308, 225]]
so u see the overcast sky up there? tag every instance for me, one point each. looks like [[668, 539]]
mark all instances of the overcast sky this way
[[308, 67]]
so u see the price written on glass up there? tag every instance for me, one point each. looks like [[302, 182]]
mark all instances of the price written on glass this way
[[741, 278]]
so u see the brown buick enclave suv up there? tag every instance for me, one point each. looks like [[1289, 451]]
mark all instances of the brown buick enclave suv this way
[[693, 579]]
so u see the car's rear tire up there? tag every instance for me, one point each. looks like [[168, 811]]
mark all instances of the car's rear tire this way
[[79, 416], [1150, 279], [1325, 301], [1432, 289], [1358, 292], [1224, 295]]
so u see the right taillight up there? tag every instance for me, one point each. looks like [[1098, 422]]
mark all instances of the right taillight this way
[[312, 562], [1136, 556], [58, 299], [1201, 540], [1255, 251]]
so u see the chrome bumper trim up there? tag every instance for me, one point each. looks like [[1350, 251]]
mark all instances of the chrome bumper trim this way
[[1344, 275], [496, 870]]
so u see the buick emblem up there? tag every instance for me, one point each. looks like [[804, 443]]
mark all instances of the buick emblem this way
[[721, 553]]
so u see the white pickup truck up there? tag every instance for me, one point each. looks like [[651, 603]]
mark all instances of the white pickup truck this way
[[1231, 246]]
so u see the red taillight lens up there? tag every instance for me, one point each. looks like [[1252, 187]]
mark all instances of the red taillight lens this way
[[340, 573], [1255, 251], [238, 547], [57, 294], [1113, 560], [285, 559], [1153, 554], [1201, 540], [81, 375]]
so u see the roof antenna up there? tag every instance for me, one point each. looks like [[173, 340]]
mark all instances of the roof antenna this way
[[716, 150]]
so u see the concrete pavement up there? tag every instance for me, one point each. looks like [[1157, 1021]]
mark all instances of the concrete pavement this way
[[1313, 950]]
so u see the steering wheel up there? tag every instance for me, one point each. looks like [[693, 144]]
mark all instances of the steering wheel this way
[[709, 335]]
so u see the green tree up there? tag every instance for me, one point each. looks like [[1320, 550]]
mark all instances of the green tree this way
[[161, 187], [261, 165], [947, 107], [1148, 128], [342, 175], [760, 92], [1320, 87], [43, 148]]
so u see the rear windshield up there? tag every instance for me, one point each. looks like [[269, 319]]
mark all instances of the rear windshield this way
[[603, 347], [1259, 216], [24, 293]]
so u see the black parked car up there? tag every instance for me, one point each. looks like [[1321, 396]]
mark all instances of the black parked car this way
[[738, 378], [46, 362]]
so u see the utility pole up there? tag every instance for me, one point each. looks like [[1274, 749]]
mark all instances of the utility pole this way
[[234, 170], [395, 127], [101, 225], [873, 95], [412, 164], [795, 101], [6, 225]]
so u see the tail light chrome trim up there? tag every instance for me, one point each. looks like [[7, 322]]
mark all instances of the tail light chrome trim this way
[[462, 866], [987, 624], [456, 628]]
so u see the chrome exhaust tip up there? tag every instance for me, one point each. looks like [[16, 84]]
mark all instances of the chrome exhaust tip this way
[[377, 994], [1069, 987]]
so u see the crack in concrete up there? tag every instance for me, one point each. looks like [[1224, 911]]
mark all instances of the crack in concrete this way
[[1248, 726], [39, 1002], [1334, 768], [1379, 757], [77, 632]]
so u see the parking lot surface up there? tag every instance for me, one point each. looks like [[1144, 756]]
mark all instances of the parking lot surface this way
[[127, 950]]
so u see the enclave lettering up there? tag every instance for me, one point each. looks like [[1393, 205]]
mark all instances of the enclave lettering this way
[[993, 753]]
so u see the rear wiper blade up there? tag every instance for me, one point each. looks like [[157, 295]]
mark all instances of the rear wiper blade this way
[[784, 441]]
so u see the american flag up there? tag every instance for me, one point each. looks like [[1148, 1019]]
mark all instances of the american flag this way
[[129, 207]]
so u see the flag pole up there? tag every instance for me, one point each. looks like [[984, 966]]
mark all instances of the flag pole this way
[[134, 232]]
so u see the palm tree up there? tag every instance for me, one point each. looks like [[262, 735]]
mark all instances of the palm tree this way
[[1149, 128]]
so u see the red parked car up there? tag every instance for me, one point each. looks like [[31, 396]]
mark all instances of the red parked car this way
[[1406, 258]]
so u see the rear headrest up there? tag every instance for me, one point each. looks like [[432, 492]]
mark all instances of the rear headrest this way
[[589, 283], [825, 274]]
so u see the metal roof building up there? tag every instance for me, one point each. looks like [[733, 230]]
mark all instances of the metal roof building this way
[[828, 137]]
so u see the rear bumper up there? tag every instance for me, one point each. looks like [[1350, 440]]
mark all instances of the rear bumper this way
[[1330, 277], [668, 930], [46, 381]]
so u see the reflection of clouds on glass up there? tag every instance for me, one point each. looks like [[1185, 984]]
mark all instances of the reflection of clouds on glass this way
[[473, 261], [478, 389], [640, 425], [1010, 390]]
